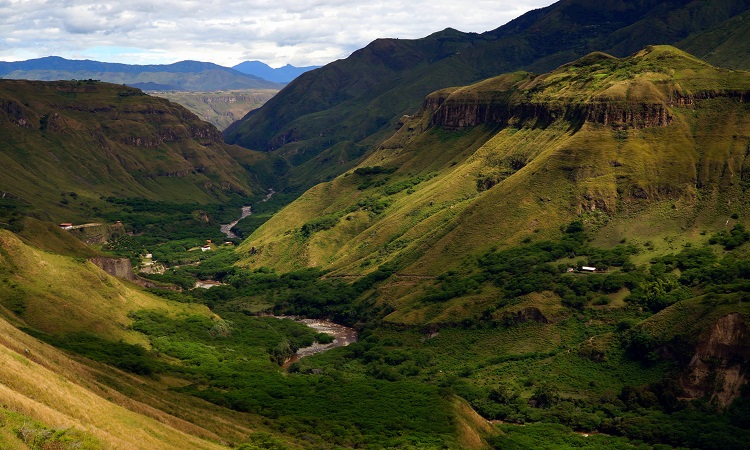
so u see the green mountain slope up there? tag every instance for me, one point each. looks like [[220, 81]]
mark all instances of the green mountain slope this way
[[329, 117], [86, 403], [727, 44], [565, 248], [517, 156], [68, 145]]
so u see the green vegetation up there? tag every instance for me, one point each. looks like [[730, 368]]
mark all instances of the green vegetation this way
[[234, 363], [17, 430], [104, 140], [575, 361], [128, 357]]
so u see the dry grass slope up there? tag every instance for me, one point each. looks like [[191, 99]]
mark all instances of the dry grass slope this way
[[40, 382]]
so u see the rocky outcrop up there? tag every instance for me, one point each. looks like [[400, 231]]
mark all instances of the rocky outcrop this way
[[14, 112], [121, 268], [529, 314], [455, 110], [718, 369], [628, 115], [117, 267], [456, 114]]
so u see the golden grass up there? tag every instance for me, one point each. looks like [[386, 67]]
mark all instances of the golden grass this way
[[64, 294], [39, 381], [472, 428]]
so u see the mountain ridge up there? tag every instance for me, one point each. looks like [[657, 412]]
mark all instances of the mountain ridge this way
[[182, 75], [283, 74], [597, 97], [97, 140], [341, 111]]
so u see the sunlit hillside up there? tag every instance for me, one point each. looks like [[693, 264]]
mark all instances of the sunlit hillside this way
[[618, 143]]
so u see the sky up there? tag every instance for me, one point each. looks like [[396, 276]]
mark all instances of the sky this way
[[227, 32]]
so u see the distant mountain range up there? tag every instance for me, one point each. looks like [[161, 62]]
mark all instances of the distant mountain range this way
[[179, 76], [281, 75]]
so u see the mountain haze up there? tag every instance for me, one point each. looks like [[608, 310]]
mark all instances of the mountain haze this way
[[283, 74], [179, 76]]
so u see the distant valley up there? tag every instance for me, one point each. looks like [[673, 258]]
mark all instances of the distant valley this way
[[220, 108], [217, 94]]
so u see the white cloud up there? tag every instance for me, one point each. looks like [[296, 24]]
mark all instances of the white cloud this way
[[303, 32]]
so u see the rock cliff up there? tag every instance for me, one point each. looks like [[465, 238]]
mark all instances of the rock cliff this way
[[718, 369]]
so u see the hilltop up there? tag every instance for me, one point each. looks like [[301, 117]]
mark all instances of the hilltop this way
[[327, 119], [517, 156]]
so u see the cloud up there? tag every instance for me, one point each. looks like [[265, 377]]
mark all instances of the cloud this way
[[302, 32]]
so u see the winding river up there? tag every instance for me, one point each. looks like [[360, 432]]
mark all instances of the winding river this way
[[342, 335], [227, 229], [246, 211]]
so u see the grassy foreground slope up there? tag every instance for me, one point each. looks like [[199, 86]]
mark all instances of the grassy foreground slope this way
[[49, 395], [516, 157]]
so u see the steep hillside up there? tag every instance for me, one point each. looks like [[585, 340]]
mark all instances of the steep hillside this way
[[518, 156], [180, 76], [726, 45], [68, 145], [330, 117], [86, 402]]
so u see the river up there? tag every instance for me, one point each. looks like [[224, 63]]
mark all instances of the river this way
[[342, 335], [246, 211], [227, 229]]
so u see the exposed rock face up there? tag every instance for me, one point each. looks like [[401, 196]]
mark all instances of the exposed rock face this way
[[718, 368], [14, 112], [455, 114], [118, 267], [638, 103]]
